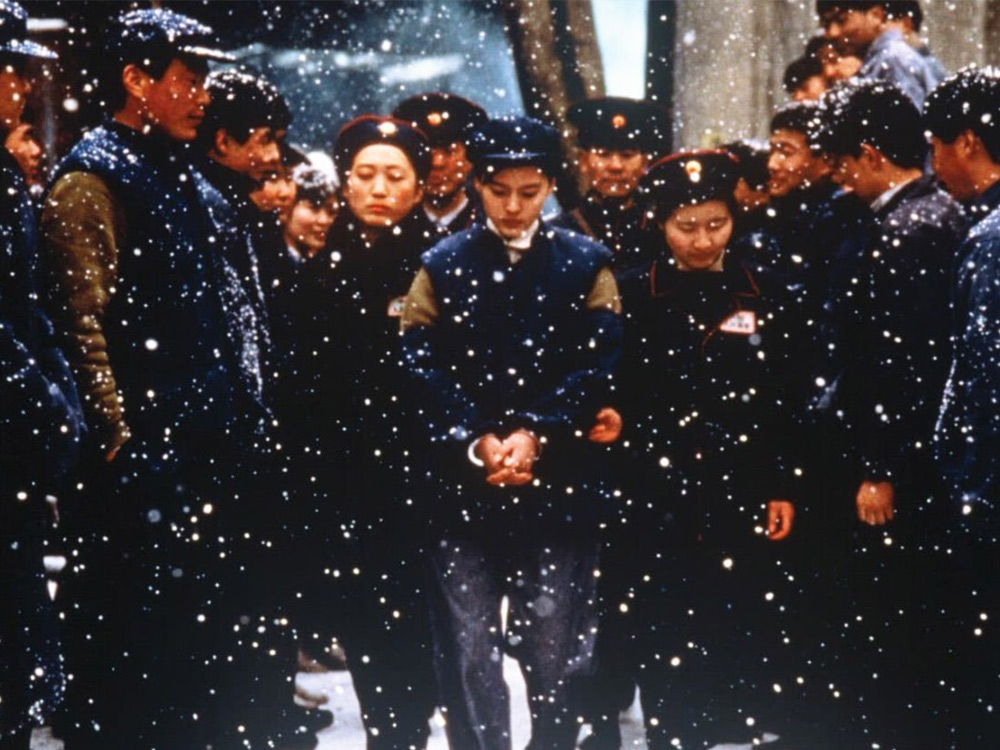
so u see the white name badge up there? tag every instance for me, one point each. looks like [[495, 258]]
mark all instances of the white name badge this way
[[396, 307], [743, 323]]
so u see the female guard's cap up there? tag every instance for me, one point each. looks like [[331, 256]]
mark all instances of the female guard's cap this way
[[687, 178], [371, 129]]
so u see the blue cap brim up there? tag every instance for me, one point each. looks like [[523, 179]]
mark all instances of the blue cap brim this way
[[208, 53], [28, 49]]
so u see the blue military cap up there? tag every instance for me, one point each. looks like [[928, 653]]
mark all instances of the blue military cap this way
[[619, 124], [515, 142], [688, 178], [161, 32], [445, 118], [14, 33]]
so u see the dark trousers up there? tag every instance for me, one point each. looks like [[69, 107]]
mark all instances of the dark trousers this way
[[175, 635], [370, 595], [360, 574], [611, 689], [31, 675], [718, 647], [925, 647], [550, 587]]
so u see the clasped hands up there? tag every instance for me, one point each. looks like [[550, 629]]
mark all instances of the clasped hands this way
[[509, 461]]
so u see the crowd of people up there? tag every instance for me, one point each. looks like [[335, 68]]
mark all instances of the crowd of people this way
[[726, 431]]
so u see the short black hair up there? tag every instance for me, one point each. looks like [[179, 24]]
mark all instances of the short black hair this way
[[313, 184], [799, 71], [827, 6], [820, 42], [801, 117], [967, 101], [877, 114], [752, 157], [897, 9], [241, 102]]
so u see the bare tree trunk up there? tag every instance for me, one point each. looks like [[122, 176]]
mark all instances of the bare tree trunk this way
[[558, 62], [661, 44]]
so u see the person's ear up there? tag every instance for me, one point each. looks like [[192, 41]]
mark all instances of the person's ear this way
[[135, 81], [221, 142], [969, 144], [872, 157]]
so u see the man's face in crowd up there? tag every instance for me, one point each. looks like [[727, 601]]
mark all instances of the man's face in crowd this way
[[858, 28], [811, 89], [950, 168], [382, 186], [276, 193], [513, 199], [792, 165], [614, 174], [310, 223], [697, 235], [449, 169], [257, 158], [26, 150], [857, 173], [175, 103], [749, 198], [14, 90]]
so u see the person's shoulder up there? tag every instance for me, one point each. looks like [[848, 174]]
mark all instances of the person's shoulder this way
[[925, 205], [577, 243], [447, 249], [73, 187]]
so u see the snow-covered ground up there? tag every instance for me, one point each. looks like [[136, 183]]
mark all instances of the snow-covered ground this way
[[347, 732]]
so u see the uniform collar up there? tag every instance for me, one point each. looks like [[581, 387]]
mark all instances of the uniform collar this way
[[883, 200], [519, 245], [443, 221], [985, 202]]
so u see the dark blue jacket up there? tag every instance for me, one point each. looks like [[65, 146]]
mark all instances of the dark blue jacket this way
[[619, 225], [173, 346], [707, 396], [514, 345], [891, 60], [968, 430], [896, 387], [818, 240], [40, 417]]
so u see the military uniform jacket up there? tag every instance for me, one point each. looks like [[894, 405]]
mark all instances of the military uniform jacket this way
[[705, 393], [343, 382], [818, 240], [968, 429], [493, 346], [136, 275], [40, 417], [895, 390], [619, 225]]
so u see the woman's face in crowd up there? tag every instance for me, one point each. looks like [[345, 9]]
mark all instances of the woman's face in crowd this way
[[310, 223], [382, 186], [513, 199], [697, 235], [276, 193]]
